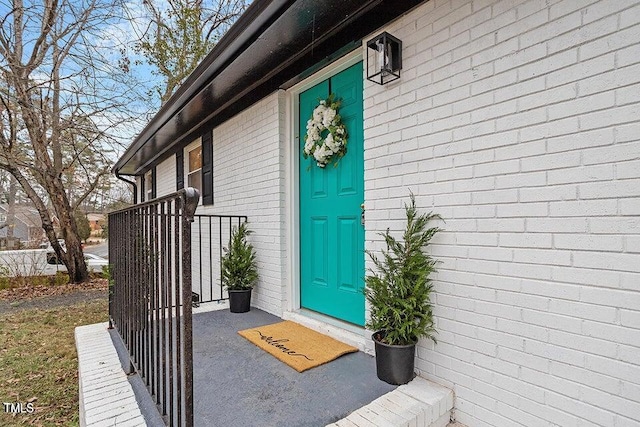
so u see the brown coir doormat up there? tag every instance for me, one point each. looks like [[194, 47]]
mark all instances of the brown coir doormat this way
[[297, 346]]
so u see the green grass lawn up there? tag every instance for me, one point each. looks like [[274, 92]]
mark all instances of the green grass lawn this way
[[39, 364]]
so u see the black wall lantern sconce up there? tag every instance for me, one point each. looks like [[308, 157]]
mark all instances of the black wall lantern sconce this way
[[384, 58]]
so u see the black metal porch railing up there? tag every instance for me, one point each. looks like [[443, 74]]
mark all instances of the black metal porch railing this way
[[150, 299], [211, 233]]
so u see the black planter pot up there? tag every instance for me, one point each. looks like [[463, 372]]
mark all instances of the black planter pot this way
[[394, 363], [240, 301]]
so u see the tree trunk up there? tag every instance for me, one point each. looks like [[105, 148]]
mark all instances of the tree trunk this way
[[73, 258], [75, 263], [11, 211]]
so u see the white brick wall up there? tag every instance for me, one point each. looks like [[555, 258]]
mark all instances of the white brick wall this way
[[517, 121], [248, 179], [166, 177]]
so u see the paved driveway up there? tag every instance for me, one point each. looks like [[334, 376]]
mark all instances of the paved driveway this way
[[101, 249]]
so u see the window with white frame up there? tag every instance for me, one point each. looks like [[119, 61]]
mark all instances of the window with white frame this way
[[194, 173]]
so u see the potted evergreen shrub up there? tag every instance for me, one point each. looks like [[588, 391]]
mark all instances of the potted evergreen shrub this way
[[399, 296], [239, 270]]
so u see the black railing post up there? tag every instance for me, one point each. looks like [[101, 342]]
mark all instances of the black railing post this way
[[189, 205], [150, 300], [150, 303], [110, 280]]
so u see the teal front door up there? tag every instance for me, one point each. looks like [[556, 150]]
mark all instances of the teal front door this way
[[331, 232]]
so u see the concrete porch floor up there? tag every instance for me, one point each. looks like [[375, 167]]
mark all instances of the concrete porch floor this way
[[238, 384]]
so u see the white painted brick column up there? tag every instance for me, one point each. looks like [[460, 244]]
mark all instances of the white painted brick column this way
[[106, 397], [419, 403]]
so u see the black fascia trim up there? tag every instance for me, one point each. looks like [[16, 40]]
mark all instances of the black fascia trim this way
[[249, 26], [236, 87]]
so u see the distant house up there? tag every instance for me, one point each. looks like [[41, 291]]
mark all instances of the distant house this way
[[518, 121], [27, 227], [96, 222]]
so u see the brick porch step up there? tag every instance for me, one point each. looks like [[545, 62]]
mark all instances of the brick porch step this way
[[420, 403]]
